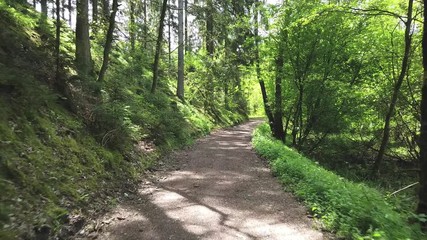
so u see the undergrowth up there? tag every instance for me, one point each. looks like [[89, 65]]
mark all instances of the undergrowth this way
[[57, 163], [352, 210]]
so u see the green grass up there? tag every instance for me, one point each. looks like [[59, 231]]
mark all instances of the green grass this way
[[352, 211]]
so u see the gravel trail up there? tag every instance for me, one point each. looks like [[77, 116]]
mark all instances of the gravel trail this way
[[217, 189]]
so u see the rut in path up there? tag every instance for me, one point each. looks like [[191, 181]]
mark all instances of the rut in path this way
[[221, 190]]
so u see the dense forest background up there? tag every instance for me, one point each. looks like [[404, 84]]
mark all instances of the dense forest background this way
[[92, 92]]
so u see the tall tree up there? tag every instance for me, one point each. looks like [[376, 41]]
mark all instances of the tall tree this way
[[158, 47], [43, 4], [180, 87], [422, 203], [108, 41], [83, 55], [267, 107], [278, 131], [95, 10], [396, 89], [58, 37], [210, 47]]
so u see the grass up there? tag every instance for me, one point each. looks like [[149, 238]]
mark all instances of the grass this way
[[351, 210]]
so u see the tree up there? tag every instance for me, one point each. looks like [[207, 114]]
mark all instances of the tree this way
[[43, 4], [95, 10], [83, 55], [58, 37], [180, 87], [278, 131], [422, 194], [396, 89], [108, 41], [267, 107], [158, 47]]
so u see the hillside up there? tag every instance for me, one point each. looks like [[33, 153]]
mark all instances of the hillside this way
[[63, 157]]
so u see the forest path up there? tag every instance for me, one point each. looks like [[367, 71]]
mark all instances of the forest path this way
[[217, 189]]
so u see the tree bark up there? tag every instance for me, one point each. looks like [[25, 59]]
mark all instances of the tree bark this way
[[95, 10], [267, 108], [70, 10], [396, 89], [158, 47], [58, 38], [43, 4], [132, 25], [278, 132], [83, 55], [108, 41], [106, 9], [422, 195], [180, 87], [210, 47]]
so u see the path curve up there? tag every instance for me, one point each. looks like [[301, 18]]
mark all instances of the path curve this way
[[220, 189]]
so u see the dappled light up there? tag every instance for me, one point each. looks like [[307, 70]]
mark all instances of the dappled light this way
[[224, 191]]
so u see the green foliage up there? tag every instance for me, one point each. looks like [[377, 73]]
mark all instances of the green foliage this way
[[353, 211]]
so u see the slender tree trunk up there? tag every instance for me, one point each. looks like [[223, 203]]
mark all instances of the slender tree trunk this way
[[390, 111], [278, 108], [422, 203], [108, 41], [63, 10], [158, 47], [170, 35], [210, 47], [267, 108], [43, 4], [95, 10], [186, 42], [70, 10], [58, 38], [180, 87], [132, 25], [83, 55], [106, 9], [145, 24]]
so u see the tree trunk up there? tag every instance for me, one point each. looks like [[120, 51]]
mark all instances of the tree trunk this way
[[396, 89], [145, 24], [83, 55], [158, 47], [180, 88], [186, 42], [170, 35], [58, 38], [278, 111], [108, 41], [132, 25], [95, 10], [267, 108], [70, 10], [210, 47], [422, 203], [43, 4], [106, 9]]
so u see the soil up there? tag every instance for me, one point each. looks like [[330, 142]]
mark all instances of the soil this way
[[217, 189]]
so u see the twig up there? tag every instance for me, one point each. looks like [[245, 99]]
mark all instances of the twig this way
[[410, 185]]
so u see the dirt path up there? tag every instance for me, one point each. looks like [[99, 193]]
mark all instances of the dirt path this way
[[219, 189]]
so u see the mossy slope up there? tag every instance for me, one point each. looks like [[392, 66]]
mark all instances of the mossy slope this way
[[53, 165]]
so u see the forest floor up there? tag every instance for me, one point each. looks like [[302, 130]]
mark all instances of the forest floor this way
[[216, 189]]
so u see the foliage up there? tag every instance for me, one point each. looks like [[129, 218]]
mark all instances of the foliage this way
[[354, 211], [69, 145]]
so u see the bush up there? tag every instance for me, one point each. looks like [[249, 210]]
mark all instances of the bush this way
[[353, 211]]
